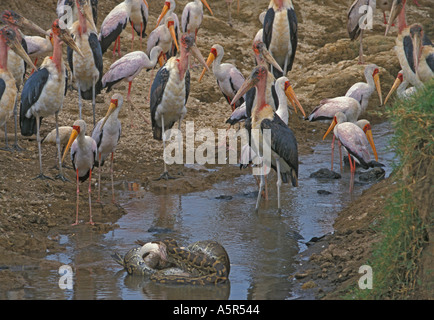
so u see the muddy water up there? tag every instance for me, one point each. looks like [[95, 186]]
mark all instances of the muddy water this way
[[261, 245]]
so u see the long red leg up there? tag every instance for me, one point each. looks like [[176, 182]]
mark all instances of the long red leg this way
[[113, 187], [99, 177], [333, 150]]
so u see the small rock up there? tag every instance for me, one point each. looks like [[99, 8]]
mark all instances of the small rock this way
[[223, 197], [324, 192], [300, 275], [372, 175], [325, 174], [308, 285]]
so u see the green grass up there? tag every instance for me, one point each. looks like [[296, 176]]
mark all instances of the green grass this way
[[395, 258]]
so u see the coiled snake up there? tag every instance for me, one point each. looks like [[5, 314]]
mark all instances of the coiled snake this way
[[202, 262]]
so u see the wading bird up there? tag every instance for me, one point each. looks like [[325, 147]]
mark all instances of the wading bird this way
[[16, 64], [168, 10], [138, 19], [44, 91], [229, 78], [359, 20], [106, 134], [87, 69], [283, 144], [401, 87], [83, 157], [192, 16], [355, 142], [280, 34], [164, 36], [8, 87], [170, 90]]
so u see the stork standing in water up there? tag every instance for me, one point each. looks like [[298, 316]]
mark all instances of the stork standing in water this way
[[83, 157], [283, 145], [8, 88], [355, 141], [192, 16], [87, 69], [44, 91], [280, 34], [359, 21], [169, 92], [106, 134], [229, 78], [16, 64]]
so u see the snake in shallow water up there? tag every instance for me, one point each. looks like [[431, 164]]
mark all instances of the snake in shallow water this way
[[202, 262]]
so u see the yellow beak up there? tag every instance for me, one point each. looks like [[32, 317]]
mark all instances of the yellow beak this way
[[378, 87], [72, 137], [207, 6], [332, 125], [211, 58], [392, 90], [371, 142], [290, 94], [163, 13], [110, 110]]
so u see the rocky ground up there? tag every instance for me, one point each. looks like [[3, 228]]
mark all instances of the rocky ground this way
[[33, 212]]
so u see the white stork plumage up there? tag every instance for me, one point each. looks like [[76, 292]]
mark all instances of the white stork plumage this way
[[229, 78], [362, 91], [401, 87], [283, 144], [138, 19], [192, 16], [280, 34], [106, 134], [170, 90], [355, 141], [38, 47], [168, 11], [8, 87], [83, 157], [87, 69], [44, 91], [163, 36]]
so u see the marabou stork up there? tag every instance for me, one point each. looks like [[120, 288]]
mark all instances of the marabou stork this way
[[168, 10], [400, 85], [87, 69], [229, 78], [359, 20], [62, 11], [8, 87], [106, 134], [355, 141], [44, 91], [283, 144], [170, 90], [83, 157], [280, 34], [413, 47], [16, 65], [192, 16]]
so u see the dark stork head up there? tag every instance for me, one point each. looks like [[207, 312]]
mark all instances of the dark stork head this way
[[188, 46], [14, 19], [10, 37], [256, 78], [263, 56], [65, 36]]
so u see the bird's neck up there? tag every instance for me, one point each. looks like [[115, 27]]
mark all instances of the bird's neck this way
[[83, 23], [3, 55], [57, 53], [183, 63]]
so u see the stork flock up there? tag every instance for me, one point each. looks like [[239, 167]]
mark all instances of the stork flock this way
[[260, 100]]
